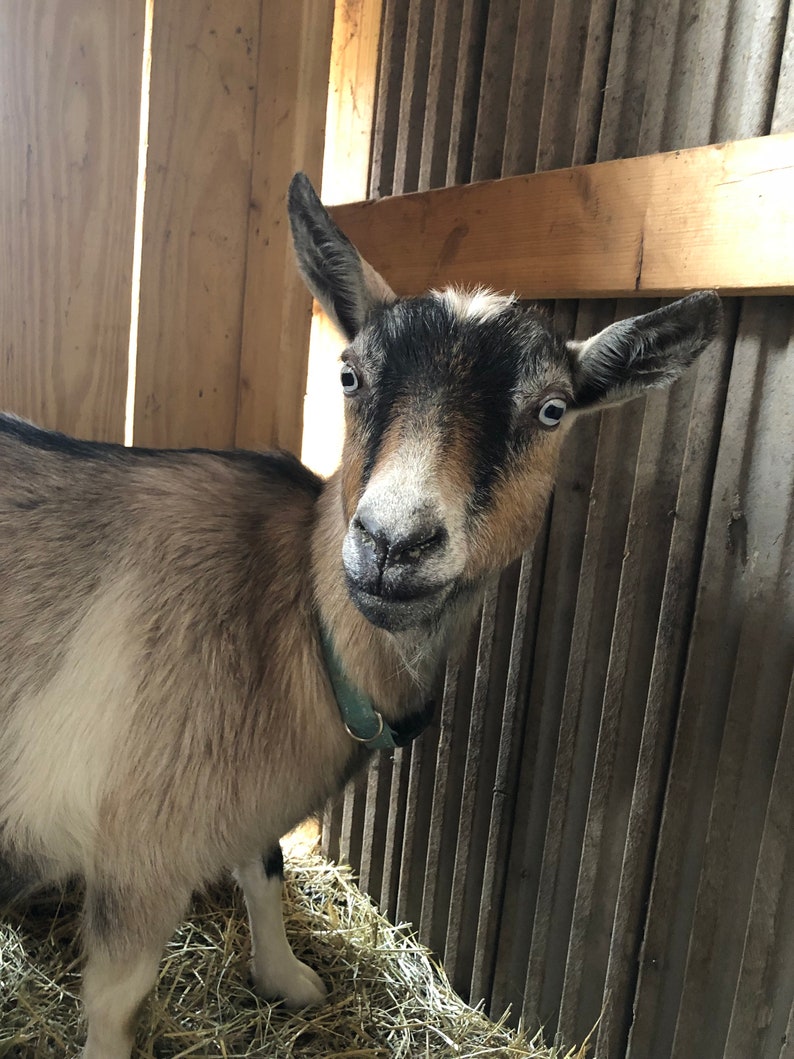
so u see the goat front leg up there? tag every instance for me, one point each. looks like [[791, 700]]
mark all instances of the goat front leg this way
[[124, 941], [277, 972]]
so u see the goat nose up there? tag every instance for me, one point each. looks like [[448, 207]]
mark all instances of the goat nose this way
[[406, 546]]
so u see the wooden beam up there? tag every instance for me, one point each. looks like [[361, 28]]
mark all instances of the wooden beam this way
[[717, 217]]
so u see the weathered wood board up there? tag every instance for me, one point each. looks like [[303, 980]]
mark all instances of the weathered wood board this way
[[69, 109], [712, 217]]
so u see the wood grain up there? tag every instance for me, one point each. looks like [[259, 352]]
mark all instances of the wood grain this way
[[351, 99], [292, 87], [203, 88], [348, 140], [713, 217], [69, 108]]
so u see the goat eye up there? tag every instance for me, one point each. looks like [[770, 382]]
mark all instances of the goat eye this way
[[551, 412], [349, 379]]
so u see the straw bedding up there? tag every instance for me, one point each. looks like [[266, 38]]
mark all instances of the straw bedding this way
[[386, 995]]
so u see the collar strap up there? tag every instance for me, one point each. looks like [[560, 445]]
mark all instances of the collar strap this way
[[363, 722]]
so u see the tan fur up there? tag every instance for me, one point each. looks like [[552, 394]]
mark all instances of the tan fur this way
[[516, 511], [352, 471], [66, 738]]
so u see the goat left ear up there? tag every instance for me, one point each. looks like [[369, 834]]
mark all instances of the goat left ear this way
[[347, 287], [643, 352]]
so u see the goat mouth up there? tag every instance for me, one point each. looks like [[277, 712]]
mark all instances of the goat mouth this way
[[398, 612]]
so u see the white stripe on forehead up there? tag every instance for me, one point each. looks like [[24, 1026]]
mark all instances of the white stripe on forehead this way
[[479, 304], [406, 486]]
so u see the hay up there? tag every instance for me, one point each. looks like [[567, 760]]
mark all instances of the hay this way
[[387, 998]]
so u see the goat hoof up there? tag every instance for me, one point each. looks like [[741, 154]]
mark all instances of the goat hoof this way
[[296, 985]]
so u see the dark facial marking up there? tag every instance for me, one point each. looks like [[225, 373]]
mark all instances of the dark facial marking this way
[[424, 357]]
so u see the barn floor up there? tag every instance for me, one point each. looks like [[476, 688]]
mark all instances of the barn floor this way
[[386, 996]]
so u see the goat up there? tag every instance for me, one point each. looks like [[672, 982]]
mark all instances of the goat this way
[[179, 630]]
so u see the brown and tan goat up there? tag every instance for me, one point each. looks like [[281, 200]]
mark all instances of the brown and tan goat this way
[[168, 619]]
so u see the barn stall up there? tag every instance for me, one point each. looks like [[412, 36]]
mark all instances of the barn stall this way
[[595, 833]]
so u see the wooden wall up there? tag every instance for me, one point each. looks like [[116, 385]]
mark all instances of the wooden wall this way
[[70, 77], [598, 829], [600, 823], [236, 104]]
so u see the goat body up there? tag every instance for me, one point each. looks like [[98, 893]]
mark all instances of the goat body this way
[[165, 706]]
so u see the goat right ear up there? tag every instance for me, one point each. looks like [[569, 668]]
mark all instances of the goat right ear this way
[[347, 287], [652, 350]]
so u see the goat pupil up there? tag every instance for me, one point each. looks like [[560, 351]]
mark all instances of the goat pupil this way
[[552, 412], [349, 380]]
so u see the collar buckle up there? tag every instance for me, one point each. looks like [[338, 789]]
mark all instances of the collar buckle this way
[[366, 738]]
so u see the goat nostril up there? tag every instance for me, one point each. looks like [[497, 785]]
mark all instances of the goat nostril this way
[[418, 545], [372, 534], [362, 530]]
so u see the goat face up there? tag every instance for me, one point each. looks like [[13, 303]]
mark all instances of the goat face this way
[[455, 408], [450, 448]]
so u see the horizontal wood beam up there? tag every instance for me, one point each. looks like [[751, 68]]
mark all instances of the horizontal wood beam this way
[[718, 217]]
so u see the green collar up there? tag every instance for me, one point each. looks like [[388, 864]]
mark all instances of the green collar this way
[[363, 722]]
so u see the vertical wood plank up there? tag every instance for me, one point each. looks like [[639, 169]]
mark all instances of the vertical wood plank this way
[[392, 54], [463, 120], [70, 84], [291, 98], [626, 82], [497, 66], [757, 675], [441, 79], [669, 656], [431, 927], [195, 219], [346, 165], [376, 815], [470, 783], [413, 96], [568, 50], [395, 826], [530, 70], [737, 657], [756, 1028], [490, 903], [331, 829], [410, 846], [783, 113], [746, 97], [593, 82], [351, 100]]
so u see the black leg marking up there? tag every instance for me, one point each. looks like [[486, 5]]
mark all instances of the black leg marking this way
[[274, 862], [104, 916], [20, 877]]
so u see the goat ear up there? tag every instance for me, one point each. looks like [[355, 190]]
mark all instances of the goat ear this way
[[643, 352], [347, 287]]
